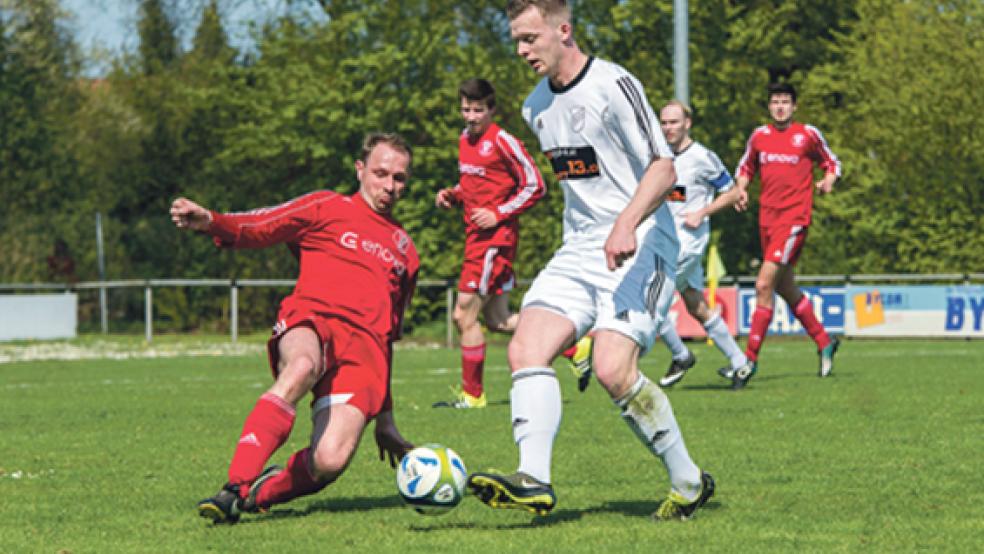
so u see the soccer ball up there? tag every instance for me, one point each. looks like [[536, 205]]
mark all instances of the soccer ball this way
[[431, 479]]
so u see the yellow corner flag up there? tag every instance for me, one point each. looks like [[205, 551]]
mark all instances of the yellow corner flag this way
[[715, 270]]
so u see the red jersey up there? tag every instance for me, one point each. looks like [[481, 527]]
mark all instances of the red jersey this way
[[499, 174], [785, 161], [356, 264]]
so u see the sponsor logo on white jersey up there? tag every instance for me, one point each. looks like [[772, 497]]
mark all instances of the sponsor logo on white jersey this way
[[776, 158], [351, 240], [485, 149], [577, 118], [471, 169], [799, 139]]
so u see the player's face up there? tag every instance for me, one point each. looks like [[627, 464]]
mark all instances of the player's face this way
[[781, 108], [538, 41], [675, 125], [383, 176], [477, 116]]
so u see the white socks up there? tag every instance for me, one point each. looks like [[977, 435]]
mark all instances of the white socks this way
[[647, 411], [672, 340], [536, 408], [717, 329]]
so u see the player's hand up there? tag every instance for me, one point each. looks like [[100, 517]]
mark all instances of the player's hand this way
[[484, 218], [742, 203], [188, 215], [391, 443], [620, 246], [825, 186], [444, 199], [693, 220]]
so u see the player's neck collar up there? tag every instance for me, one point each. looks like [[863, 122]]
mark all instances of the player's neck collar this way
[[577, 79], [690, 142]]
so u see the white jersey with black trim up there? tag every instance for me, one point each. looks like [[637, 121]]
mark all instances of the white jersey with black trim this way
[[700, 175], [600, 134]]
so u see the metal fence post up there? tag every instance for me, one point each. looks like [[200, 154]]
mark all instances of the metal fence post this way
[[449, 302], [148, 313], [234, 310]]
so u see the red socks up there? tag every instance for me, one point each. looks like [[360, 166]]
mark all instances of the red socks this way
[[265, 430], [761, 318], [804, 313], [472, 369], [291, 483]]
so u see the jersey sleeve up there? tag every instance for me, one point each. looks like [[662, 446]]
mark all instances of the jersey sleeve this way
[[529, 182], [286, 223], [716, 174], [821, 152], [748, 164], [632, 119], [407, 288]]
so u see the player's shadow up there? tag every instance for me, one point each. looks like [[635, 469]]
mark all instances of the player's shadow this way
[[628, 508], [330, 505]]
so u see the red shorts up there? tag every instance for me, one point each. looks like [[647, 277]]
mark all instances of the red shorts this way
[[783, 244], [487, 269], [355, 366]]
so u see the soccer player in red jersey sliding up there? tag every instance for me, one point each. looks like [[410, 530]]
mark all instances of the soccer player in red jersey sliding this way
[[334, 333], [498, 182], [783, 154]]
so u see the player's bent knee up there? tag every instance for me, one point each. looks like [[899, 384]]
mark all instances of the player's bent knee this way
[[327, 463]]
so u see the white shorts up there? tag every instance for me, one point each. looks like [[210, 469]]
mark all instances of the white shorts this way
[[632, 300], [690, 273]]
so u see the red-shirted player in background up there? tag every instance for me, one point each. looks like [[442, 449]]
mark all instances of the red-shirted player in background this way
[[499, 181], [783, 154], [334, 333]]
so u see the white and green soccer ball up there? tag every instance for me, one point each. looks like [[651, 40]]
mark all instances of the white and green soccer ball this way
[[431, 479]]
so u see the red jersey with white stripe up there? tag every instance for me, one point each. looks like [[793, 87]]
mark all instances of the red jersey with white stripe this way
[[784, 160], [355, 263], [497, 173]]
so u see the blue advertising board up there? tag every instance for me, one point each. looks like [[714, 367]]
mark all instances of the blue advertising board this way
[[828, 304]]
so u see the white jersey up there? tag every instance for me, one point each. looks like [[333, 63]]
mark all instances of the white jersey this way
[[700, 174], [601, 134]]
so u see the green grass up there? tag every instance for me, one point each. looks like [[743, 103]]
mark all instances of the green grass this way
[[111, 456]]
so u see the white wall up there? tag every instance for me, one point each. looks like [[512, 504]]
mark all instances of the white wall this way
[[38, 316]]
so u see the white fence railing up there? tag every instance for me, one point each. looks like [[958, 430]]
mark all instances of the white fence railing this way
[[449, 285]]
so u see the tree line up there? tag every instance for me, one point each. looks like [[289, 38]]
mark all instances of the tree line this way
[[894, 85]]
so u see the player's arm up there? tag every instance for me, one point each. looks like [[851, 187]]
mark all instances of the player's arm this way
[[827, 160], [722, 201], [257, 228], [632, 119], [448, 197], [747, 166], [528, 185]]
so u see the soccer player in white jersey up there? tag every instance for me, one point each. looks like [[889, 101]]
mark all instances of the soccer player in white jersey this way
[[613, 273], [700, 174]]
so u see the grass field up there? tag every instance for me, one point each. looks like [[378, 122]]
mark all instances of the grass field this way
[[886, 456]]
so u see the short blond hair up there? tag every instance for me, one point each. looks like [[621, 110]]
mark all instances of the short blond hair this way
[[549, 9], [687, 112], [396, 141]]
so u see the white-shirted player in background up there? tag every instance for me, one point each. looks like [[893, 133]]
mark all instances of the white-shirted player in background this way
[[700, 174], [613, 273]]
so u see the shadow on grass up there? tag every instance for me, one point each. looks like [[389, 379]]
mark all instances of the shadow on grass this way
[[330, 505], [629, 508]]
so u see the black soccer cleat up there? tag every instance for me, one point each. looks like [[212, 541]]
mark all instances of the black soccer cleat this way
[[675, 507], [224, 507], [742, 375], [677, 370], [249, 504], [518, 490]]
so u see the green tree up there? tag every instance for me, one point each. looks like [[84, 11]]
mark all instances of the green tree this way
[[902, 101]]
